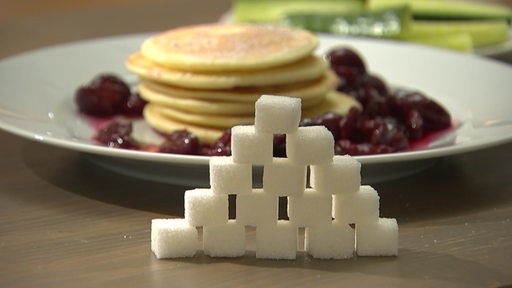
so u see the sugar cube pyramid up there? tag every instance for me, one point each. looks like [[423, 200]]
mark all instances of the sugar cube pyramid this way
[[327, 209]]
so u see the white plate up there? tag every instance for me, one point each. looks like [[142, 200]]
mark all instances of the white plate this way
[[36, 90]]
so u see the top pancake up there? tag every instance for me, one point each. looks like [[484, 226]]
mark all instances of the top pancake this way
[[308, 68], [223, 47]]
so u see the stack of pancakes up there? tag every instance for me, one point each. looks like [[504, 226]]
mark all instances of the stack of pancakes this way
[[206, 78]]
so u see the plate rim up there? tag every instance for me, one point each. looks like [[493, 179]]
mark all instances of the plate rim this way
[[90, 147]]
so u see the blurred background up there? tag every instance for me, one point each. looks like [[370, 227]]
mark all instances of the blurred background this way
[[28, 24]]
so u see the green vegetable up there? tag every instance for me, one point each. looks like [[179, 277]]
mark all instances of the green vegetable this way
[[443, 9], [396, 23], [273, 10], [451, 24], [482, 33], [384, 23], [462, 42]]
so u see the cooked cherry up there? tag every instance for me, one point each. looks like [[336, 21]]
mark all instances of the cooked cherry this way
[[374, 104], [414, 124], [396, 136], [346, 57], [221, 147], [369, 80], [348, 78], [117, 134], [331, 121], [343, 147], [205, 149], [309, 121], [104, 96], [386, 123], [279, 145], [181, 142], [433, 116], [134, 105], [217, 150], [383, 131], [347, 126], [372, 130]]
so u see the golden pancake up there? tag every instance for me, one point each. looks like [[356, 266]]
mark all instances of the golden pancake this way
[[334, 102], [311, 92], [220, 121], [194, 105], [207, 78], [228, 46], [168, 125], [309, 68]]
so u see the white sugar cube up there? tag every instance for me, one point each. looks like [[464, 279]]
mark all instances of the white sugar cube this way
[[227, 177], [256, 208], [277, 114], [359, 207], [251, 147], [310, 209], [225, 240], [331, 241], [310, 145], [379, 238], [173, 238], [342, 175], [202, 207], [277, 240], [283, 177]]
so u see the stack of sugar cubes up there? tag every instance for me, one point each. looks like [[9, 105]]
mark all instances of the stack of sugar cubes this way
[[340, 216]]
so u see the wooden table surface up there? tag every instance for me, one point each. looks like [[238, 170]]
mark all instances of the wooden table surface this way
[[65, 222]]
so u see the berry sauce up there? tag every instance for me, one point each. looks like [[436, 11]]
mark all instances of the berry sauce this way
[[392, 120]]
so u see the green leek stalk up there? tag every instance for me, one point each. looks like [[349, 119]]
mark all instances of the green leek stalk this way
[[482, 32], [383, 23], [273, 10], [397, 23], [442, 9], [462, 42]]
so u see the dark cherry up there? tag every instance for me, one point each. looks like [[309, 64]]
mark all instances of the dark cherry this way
[[104, 96], [117, 134], [218, 150], [374, 104], [181, 142], [309, 121], [348, 66], [279, 145], [205, 149], [395, 136], [413, 122], [369, 80], [433, 116], [348, 125], [383, 131], [372, 130], [346, 57], [331, 121], [221, 147], [134, 105], [388, 120], [343, 147], [348, 78]]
